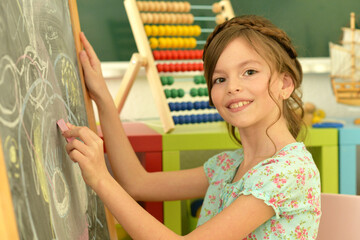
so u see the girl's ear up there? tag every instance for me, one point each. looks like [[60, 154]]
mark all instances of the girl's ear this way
[[287, 86]]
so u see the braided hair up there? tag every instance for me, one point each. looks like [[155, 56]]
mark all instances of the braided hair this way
[[274, 46]]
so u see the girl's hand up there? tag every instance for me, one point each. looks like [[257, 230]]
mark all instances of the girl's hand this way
[[92, 71], [88, 153]]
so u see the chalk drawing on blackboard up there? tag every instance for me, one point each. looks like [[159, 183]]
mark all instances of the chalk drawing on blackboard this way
[[39, 84]]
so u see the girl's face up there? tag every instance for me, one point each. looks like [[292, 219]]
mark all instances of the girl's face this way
[[240, 87]]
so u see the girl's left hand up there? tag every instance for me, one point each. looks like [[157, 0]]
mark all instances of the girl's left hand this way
[[94, 79], [88, 153]]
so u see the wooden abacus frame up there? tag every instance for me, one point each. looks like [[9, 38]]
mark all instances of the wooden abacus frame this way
[[145, 58]]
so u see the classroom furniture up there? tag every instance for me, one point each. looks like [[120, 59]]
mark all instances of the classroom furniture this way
[[349, 139], [186, 140], [340, 217], [147, 144]]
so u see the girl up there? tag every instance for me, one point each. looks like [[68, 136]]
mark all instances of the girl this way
[[267, 189]]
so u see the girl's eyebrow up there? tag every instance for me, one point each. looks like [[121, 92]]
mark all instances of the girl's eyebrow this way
[[241, 64]]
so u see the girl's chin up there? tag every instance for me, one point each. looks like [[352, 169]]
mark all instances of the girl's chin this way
[[239, 124]]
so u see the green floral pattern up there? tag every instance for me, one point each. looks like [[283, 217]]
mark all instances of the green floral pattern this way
[[289, 182]]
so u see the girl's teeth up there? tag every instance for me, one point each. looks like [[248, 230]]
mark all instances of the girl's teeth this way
[[239, 104]]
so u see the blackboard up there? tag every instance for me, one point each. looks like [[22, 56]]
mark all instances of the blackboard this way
[[40, 82], [311, 24]]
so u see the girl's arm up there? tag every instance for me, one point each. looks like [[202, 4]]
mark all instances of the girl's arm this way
[[126, 167], [235, 222]]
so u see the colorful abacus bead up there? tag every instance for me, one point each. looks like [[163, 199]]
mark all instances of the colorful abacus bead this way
[[199, 79], [182, 106], [178, 67], [216, 8], [156, 55], [194, 92], [148, 30], [174, 93], [167, 80], [162, 7], [161, 30], [197, 118], [202, 105], [154, 43], [154, 30], [167, 93], [188, 106], [202, 92], [187, 6], [173, 106], [174, 55], [197, 30], [181, 92]]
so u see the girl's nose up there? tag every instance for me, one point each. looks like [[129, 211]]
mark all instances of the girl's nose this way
[[234, 87]]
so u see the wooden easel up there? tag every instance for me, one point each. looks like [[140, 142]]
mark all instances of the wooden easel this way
[[145, 58]]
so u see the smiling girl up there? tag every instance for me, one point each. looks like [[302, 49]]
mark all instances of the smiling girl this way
[[267, 189]]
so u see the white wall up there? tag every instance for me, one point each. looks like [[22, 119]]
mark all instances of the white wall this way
[[316, 89]]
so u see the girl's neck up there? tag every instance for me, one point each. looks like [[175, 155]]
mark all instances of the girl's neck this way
[[257, 145]]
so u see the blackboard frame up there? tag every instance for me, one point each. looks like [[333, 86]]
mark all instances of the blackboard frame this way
[[8, 225]]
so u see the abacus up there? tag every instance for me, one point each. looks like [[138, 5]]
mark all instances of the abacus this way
[[169, 39]]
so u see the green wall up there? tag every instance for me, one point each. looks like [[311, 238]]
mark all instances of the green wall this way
[[310, 23]]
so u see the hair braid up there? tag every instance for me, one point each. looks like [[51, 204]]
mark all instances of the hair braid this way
[[259, 24]]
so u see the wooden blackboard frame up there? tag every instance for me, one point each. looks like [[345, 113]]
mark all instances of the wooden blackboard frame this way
[[8, 225], [75, 22]]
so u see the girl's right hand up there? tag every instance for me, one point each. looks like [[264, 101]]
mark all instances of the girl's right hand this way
[[87, 150], [92, 71]]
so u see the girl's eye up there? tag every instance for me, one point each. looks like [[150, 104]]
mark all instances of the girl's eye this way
[[219, 80], [250, 72]]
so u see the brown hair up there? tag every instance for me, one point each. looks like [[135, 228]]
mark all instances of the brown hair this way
[[274, 46]]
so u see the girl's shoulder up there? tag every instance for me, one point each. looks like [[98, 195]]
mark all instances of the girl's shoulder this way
[[289, 164], [224, 164], [292, 155], [226, 157]]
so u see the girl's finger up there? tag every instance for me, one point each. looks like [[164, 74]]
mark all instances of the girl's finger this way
[[77, 157], [85, 62], [89, 49], [93, 135], [84, 133], [76, 145]]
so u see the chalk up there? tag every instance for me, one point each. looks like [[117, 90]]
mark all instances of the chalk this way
[[63, 127]]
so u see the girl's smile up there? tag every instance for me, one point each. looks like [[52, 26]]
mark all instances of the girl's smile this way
[[236, 105]]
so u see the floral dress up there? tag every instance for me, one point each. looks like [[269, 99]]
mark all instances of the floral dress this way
[[289, 182]]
